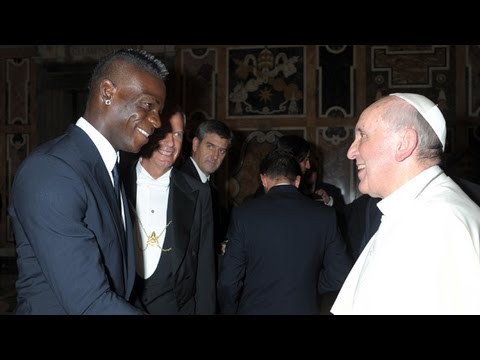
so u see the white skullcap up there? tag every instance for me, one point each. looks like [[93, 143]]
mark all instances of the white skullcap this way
[[429, 111]]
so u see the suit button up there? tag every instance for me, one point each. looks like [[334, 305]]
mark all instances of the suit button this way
[[194, 253]]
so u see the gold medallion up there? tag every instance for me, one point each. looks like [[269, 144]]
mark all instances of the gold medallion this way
[[152, 239]]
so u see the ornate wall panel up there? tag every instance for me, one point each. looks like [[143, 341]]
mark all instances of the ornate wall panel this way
[[425, 69], [335, 66], [93, 53], [333, 144], [199, 71], [473, 80], [18, 127], [18, 80], [336, 94], [266, 81]]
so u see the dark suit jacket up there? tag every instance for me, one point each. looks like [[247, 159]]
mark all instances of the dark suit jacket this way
[[73, 254], [191, 233], [362, 221], [283, 251], [334, 192], [220, 214], [470, 188]]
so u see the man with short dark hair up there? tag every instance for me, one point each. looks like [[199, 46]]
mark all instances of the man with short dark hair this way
[[283, 249], [210, 145]]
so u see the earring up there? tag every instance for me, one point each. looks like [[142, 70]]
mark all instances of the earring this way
[[108, 102]]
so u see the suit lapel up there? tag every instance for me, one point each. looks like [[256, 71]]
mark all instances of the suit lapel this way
[[100, 172], [181, 205], [129, 242], [122, 232], [180, 210], [130, 182], [191, 170]]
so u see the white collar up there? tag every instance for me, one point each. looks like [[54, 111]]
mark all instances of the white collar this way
[[409, 191], [106, 150], [204, 178], [144, 177]]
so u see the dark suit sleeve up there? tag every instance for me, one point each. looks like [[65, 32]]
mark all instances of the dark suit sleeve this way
[[233, 266], [205, 295], [336, 194], [51, 211], [336, 262]]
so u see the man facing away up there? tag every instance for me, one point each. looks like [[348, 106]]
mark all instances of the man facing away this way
[[283, 249], [73, 236], [425, 256], [174, 229]]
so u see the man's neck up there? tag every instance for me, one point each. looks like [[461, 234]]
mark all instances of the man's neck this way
[[277, 182]]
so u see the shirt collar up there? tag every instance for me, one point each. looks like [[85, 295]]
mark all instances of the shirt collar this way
[[202, 175], [144, 177], [106, 150]]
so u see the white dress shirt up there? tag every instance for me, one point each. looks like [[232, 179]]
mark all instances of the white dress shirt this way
[[151, 211]]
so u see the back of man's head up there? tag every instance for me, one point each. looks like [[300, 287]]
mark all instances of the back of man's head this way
[[296, 145], [278, 165]]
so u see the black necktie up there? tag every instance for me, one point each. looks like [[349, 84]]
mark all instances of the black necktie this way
[[116, 185], [118, 191]]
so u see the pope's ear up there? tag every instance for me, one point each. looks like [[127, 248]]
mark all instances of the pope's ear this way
[[408, 142]]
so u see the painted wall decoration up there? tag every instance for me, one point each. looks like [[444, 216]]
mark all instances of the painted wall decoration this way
[[266, 81], [18, 80], [473, 79], [333, 143], [199, 71], [18, 130], [336, 71], [425, 69]]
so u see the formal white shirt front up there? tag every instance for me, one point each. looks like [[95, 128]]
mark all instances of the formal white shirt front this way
[[151, 212], [424, 258]]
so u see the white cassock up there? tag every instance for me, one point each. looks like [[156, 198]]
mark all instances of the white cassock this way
[[424, 258]]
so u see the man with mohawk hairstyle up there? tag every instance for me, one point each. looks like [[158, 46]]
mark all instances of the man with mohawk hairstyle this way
[[73, 233]]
